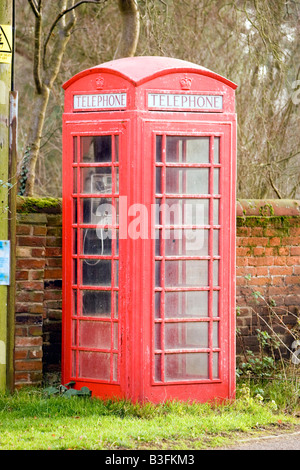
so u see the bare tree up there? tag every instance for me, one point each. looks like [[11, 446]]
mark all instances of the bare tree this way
[[50, 42], [46, 66]]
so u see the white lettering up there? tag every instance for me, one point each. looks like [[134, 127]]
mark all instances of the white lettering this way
[[116, 460], [178, 101], [100, 101]]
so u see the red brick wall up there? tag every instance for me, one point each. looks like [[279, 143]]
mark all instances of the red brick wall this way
[[268, 261], [38, 291], [268, 271]]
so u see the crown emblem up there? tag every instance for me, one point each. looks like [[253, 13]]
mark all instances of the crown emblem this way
[[186, 82], [99, 83]]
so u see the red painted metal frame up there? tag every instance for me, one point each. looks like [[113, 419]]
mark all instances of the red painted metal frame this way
[[137, 128]]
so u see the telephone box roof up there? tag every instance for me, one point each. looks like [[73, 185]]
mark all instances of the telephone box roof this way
[[139, 70]]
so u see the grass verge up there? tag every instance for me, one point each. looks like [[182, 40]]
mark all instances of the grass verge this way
[[30, 421]]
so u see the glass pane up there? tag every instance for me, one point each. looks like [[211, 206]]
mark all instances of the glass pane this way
[[216, 251], [117, 148], [97, 211], [217, 150], [96, 149], [74, 211], [157, 304], [157, 336], [216, 273], [158, 148], [96, 241], [187, 149], [157, 366], [116, 335], [96, 303], [75, 271], [96, 180], [216, 220], [74, 302], [186, 273], [183, 211], [74, 362], [157, 274], [187, 181], [186, 335], [94, 334], [116, 273], [215, 334], [215, 303], [215, 365], [75, 180], [115, 367], [94, 365], [116, 179], [96, 272], [188, 366], [216, 181], [75, 149], [186, 242], [192, 304], [158, 180], [75, 241], [116, 304], [74, 333]]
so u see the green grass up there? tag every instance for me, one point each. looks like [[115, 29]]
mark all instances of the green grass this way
[[30, 421]]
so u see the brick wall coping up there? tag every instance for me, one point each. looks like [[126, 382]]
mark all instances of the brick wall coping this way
[[267, 207], [48, 205], [244, 207]]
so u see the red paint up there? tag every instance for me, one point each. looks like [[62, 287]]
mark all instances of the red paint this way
[[172, 333]]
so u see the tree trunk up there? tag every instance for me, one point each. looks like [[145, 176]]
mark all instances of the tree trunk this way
[[130, 29], [27, 175]]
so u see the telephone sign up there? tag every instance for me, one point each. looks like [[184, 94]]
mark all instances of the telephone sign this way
[[149, 151]]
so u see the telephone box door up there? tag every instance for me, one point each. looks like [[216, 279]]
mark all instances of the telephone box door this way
[[192, 296], [91, 335]]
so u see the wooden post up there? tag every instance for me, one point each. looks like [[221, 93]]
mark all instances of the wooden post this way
[[5, 88]]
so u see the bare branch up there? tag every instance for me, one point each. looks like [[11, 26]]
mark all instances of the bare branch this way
[[38, 50], [60, 15], [274, 187], [34, 8]]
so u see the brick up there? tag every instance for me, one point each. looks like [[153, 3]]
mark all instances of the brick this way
[[295, 250], [30, 285], [21, 275], [23, 229], [53, 251], [262, 261], [258, 251], [53, 274], [23, 252], [28, 342], [292, 280], [28, 365], [30, 263], [29, 296], [280, 270], [33, 218], [31, 241], [36, 274], [40, 230], [242, 251], [21, 354], [38, 252], [293, 260]]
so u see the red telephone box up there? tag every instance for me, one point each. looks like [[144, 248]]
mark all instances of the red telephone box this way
[[149, 150]]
